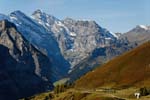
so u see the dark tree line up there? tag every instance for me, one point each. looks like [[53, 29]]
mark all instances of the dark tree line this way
[[144, 91], [62, 88]]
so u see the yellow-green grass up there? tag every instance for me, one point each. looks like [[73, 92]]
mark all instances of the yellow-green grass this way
[[73, 94]]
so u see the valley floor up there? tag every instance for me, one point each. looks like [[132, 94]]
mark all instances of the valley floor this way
[[97, 94]]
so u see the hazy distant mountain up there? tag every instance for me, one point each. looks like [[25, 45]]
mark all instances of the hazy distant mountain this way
[[24, 70], [139, 34]]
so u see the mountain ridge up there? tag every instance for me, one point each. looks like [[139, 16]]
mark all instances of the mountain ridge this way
[[139, 34], [70, 43], [26, 69]]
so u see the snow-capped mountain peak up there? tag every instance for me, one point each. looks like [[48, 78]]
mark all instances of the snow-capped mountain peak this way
[[67, 42], [18, 12], [43, 18], [40, 38], [143, 27]]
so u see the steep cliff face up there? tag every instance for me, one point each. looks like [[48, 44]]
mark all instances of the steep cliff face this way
[[43, 40], [87, 36], [24, 70], [8, 87], [84, 44], [76, 38]]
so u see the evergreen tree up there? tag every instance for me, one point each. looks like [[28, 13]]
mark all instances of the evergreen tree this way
[[144, 91]]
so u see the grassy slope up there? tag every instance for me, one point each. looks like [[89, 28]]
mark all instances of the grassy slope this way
[[72, 94], [131, 68]]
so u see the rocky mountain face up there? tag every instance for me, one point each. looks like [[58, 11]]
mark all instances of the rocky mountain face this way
[[24, 70], [84, 44], [73, 46], [100, 56], [139, 34], [43, 40], [76, 38]]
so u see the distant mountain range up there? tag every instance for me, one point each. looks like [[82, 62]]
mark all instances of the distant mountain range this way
[[49, 49], [139, 34]]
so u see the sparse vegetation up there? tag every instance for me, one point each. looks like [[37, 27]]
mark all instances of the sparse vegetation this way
[[73, 94], [62, 88]]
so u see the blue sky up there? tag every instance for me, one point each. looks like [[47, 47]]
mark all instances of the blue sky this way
[[115, 15]]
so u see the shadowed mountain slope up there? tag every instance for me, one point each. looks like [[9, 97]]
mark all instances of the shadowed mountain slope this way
[[24, 70]]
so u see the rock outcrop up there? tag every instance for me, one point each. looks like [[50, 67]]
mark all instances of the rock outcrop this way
[[24, 70]]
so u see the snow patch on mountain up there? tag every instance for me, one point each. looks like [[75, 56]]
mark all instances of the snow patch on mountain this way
[[114, 34], [143, 27], [73, 34]]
